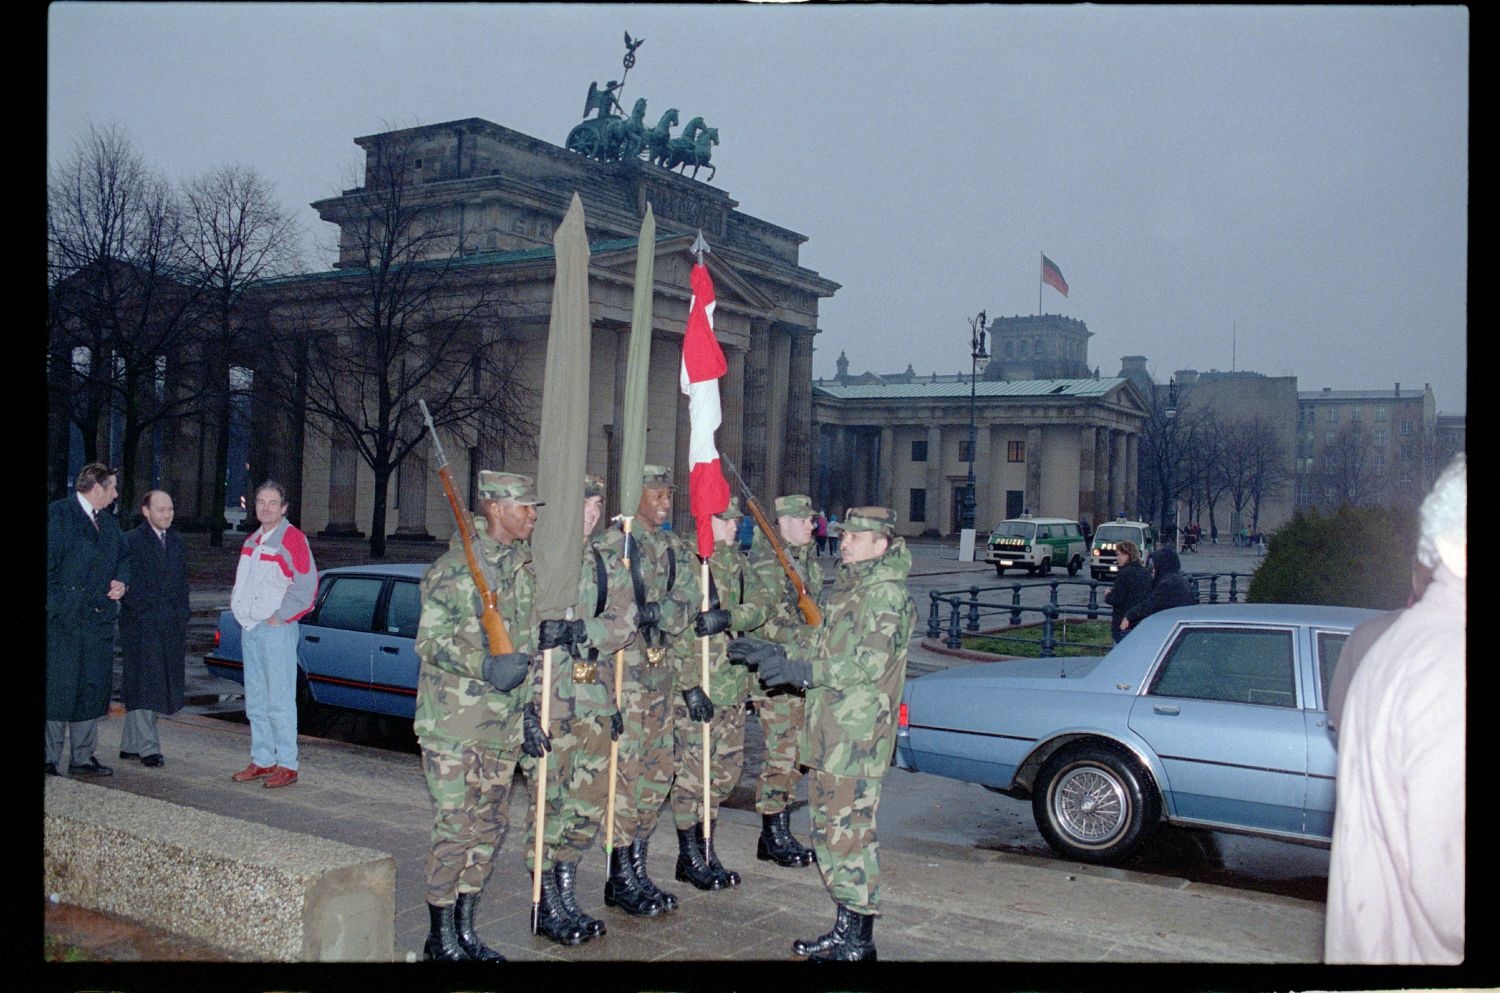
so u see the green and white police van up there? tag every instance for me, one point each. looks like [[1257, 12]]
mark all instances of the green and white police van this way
[[1103, 560], [1036, 544]]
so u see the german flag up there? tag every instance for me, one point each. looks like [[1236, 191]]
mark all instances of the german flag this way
[[1053, 277]]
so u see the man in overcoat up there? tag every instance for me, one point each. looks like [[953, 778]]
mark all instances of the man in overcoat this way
[[153, 628], [88, 566]]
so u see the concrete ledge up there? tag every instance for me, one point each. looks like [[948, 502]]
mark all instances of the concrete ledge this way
[[262, 893]]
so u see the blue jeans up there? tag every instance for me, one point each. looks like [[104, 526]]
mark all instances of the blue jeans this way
[[271, 693]]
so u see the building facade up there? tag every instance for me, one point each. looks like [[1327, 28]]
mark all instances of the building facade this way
[[1366, 447]]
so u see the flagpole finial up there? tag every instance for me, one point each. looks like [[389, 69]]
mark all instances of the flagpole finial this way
[[700, 246]]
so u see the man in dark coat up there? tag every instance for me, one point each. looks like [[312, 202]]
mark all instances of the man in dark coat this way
[[88, 565], [153, 628], [1169, 588], [1132, 586]]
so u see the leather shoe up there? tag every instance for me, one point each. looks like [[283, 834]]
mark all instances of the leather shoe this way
[[281, 776], [252, 771], [51, 768], [130, 755], [154, 761], [90, 768]]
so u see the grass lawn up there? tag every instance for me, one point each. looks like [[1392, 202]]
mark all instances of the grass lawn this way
[[1074, 638]]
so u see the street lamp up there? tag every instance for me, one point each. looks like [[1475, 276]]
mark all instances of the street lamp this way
[[976, 352], [1171, 493]]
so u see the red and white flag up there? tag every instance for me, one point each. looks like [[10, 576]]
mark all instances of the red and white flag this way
[[702, 365]]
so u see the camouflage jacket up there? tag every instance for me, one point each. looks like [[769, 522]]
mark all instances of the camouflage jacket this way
[[610, 630], [784, 621], [454, 700], [858, 657], [679, 605], [748, 603]]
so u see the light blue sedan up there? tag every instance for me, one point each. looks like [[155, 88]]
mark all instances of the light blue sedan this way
[[1210, 716], [355, 647]]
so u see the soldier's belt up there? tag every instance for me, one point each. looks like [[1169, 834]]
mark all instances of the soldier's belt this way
[[585, 672]]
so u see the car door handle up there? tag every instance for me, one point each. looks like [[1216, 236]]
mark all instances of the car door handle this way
[[1169, 711], [390, 649], [312, 638]]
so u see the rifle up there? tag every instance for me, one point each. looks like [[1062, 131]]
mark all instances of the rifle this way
[[805, 603], [489, 618]]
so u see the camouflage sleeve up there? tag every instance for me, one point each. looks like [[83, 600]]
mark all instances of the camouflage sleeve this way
[[615, 628], [858, 639], [783, 622], [449, 636], [682, 603], [752, 611]]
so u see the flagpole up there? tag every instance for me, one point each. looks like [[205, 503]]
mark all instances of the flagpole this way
[[707, 822], [1039, 282]]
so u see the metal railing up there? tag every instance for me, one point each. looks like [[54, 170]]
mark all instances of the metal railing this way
[[965, 608]]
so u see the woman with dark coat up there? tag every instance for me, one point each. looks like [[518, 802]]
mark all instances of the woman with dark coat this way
[[1169, 588], [1132, 586]]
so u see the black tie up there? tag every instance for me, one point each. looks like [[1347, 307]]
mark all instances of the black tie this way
[[96, 518], [163, 536]]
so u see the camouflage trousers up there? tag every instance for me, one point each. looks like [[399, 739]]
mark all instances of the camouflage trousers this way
[[644, 774], [781, 718], [842, 810], [726, 742], [577, 788], [470, 786]]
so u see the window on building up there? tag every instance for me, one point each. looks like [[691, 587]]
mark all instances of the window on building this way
[[1380, 413], [1333, 415], [1330, 436], [1378, 436], [1380, 460], [1015, 451], [917, 507], [919, 450], [1354, 414], [1406, 429], [965, 451]]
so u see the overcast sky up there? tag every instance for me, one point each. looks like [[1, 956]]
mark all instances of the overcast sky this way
[[1284, 190]]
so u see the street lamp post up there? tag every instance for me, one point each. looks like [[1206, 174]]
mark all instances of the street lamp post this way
[[1171, 494], [976, 352]]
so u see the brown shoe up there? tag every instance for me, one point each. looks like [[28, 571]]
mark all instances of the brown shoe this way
[[281, 776], [252, 771]]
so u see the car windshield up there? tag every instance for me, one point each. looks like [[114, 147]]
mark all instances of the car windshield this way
[[1013, 529], [1116, 532]]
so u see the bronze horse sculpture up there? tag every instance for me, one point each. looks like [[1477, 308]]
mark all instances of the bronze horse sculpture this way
[[694, 148]]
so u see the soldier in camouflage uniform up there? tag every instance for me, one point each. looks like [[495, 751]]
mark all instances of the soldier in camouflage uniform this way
[[665, 585], [853, 667], [737, 604], [583, 721], [471, 704], [782, 710]]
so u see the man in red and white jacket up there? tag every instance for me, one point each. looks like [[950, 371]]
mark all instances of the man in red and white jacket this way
[[275, 584]]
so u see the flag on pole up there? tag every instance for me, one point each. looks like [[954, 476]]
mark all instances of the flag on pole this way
[[702, 365], [1053, 277]]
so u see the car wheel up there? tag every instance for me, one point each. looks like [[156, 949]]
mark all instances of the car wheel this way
[[1045, 568], [1074, 566], [1093, 803]]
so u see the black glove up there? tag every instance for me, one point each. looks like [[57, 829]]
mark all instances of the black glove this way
[[534, 740], [505, 672], [568, 634], [779, 670], [616, 725], [700, 708], [647, 614], [711, 622], [753, 652]]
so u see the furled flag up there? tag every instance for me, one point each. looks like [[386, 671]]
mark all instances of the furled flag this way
[[702, 365], [1053, 277]]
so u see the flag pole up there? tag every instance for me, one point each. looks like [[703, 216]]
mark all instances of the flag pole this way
[[614, 743], [699, 247], [541, 792], [1039, 282]]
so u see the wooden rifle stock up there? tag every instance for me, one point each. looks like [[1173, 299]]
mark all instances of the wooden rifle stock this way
[[805, 602], [489, 618]]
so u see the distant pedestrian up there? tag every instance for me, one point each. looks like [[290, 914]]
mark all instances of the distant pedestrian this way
[[88, 566], [153, 629], [820, 533], [1131, 587], [834, 530], [1169, 588]]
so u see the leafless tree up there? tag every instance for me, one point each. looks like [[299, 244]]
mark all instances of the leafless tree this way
[[1167, 442], [1351, 471], [405, 320], [238, 235], [1255, 467]]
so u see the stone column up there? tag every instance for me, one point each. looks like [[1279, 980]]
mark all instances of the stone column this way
[[1086, 475], [1132, 471], [682, 467], [753, 436], [935, 506], [411, 497], [1118, 493], [885, 472], [1101, 477], [1034, 471], [796, 461], [732, 399], [343, 470]]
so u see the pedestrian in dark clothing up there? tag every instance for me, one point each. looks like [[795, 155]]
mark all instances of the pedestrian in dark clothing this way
[[153, 629], [1132, 586], [1169, 588]]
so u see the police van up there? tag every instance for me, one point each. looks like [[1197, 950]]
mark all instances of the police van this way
[[1104, 560], [1036, 544]]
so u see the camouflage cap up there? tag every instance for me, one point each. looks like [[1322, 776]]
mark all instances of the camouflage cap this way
[[507, 486], [794, 505], [593, 486], [880, 519], [656, 477], [731, 512]]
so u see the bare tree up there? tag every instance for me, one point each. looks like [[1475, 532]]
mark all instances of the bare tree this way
[[1259, 466], [1352, 473], [1166, 446], [123, 301], [238, 235], [406, 321]]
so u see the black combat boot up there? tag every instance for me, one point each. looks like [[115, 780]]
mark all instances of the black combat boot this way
[[858, 944], [822, 943], [638, 866], [566, 874], [553, 919], [777, 844], [468, 938], [442, 941], [692, 867], [731, 878], [623, 890]]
